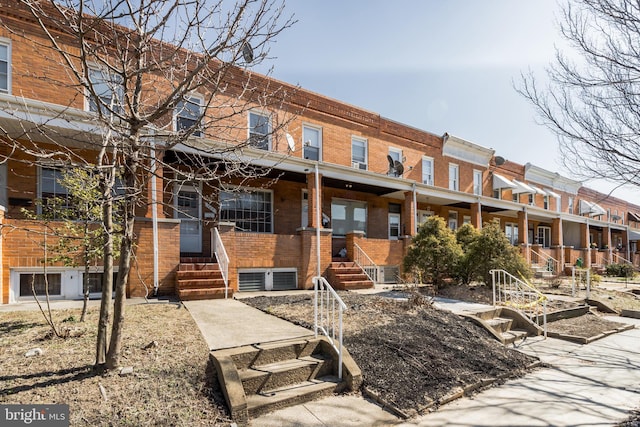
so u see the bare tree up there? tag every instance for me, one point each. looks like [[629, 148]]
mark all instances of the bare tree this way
[[592, 100], [138, 64]]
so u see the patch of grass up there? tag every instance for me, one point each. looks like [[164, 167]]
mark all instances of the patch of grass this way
[[169, 385]]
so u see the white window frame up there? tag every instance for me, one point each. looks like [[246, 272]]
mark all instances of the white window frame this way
[[349, 201], [304, 202], [356, 163], [40, 184], [452, 220], [511, 231], [7, 43], [545, 202], [396, 152], [315, 128], [423, 215], [399, 218], [427, 170], [119, 95], [466, 219], [454, 182], [542, 238], [240, 190], [269, 130], [477, 182], [176, 112], [570, 205]]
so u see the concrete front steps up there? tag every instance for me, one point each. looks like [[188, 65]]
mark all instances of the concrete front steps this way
[[261, 378], [505, 324], [347, 276], [540, 271], [200, 278]]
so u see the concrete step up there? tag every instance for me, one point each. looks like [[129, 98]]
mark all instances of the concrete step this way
[[199, 274], [198, 294], [200, 283], [354, 285], [346, 270], [267, 353], [487, 314], [265, 378], [513, 335], [343, 264], [258, 404], [500, 324], [345, 277], [198, 266]]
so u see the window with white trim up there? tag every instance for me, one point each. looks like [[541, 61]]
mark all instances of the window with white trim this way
[[453, 220], [53, 282], [312, 142], [5, 66], [511, 231], [545, 202], [359, 153], [347, 216], [259, 130], [544, 236], [53, 195], [477, 182], [570, 205], [454, 183], [396, 156], [395, 210], [109, 91], [249, 210], [188, 114], [427, 170]]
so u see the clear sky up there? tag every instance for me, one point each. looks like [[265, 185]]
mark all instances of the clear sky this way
[[441, 66]]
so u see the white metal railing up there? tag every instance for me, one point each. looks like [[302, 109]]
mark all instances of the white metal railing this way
[[617, 257], [327, 311], [550, 263], [510, 291], [583, 276], [363, 261], [223, 258]]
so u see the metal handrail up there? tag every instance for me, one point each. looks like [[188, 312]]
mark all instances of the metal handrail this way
[[325, 302], [223, 259], [618, 258], [363, 261], [546, 258], [510, 291]]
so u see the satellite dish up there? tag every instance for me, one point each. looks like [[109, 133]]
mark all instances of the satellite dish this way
[[499, 160], [391, 165], [290, 142], [247, 52]]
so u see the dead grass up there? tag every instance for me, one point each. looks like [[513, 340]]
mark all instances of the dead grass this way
[[168, 387], [587, 326]]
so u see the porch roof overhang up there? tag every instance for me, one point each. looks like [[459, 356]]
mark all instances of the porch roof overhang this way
[[521, 187], [633, 235], [633, 216], [591, 208]]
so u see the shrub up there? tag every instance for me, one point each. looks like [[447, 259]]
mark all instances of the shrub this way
[[466, 267], [620, 270]]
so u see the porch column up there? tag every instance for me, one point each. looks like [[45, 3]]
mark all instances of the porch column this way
[[155, 189], [557, 241], [476, 215], [584, 245], [523, 234], [311, 188], [409, 214]]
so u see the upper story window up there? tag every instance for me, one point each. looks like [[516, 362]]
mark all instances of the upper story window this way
[[5, 66], [532, 200], [359, 153], [477, 182], [395, 156], [454, 183], [109, 90], [312, 142], [188, 114], [251, 211], [427, 170], [570, 205], [546, 201], [259, 130]]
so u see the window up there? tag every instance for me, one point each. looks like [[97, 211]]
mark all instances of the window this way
[[109, 90], [477, 182], [312, 142], [395, 155], [53, 281], [304, 221], [466, 219], [570, 205], [188, 114], [394, 221], [96, 281], [275, 279], [453, 220], [559, 203], [531, 200], [544, 236], [453, 177], [516, 197], [497, 193], [347, 216], [427, 170], [359, 153], [546, 202], [259, 131], [5, 66], [251, 211], [511, 231], [53, 194]]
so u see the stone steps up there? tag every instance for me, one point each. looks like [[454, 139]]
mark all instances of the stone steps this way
[[200, 280], [346, 275]]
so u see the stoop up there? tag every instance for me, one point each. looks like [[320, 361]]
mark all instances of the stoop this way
[[261, 378]]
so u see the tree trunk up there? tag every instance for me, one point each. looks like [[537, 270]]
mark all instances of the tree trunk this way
[[107, 280], [85, 278]]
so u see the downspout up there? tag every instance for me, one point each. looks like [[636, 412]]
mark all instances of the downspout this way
[[415, 210], [479, 213], [318, 219], [629, 256], [154, 218]]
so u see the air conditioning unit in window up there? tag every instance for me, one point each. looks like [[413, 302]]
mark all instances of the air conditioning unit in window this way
[[358, 165]]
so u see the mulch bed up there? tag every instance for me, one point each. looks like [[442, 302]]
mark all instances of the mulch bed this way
[[411, 354]]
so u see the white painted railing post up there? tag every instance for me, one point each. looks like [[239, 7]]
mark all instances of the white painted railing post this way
[[222, 257], [325, 315]]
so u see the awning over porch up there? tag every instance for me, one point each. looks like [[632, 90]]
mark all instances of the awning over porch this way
[[521, 187], [593, 209], [632, 216], [500, 181], [634, 235]]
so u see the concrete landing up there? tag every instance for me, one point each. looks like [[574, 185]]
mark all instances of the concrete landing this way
[[230, 323]]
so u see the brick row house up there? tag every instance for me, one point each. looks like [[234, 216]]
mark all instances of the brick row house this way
[[351, 186]]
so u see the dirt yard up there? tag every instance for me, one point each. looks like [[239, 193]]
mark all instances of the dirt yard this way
[[162, 344]]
